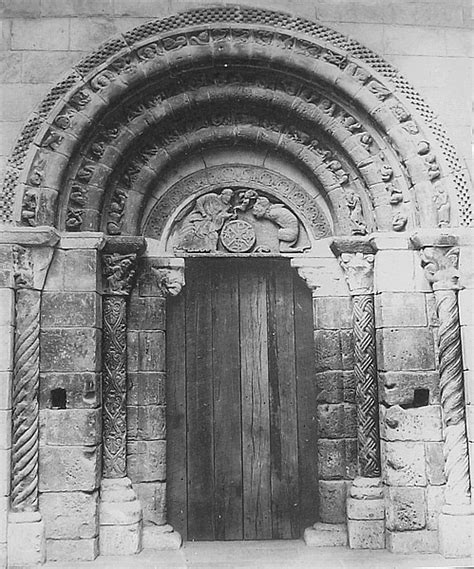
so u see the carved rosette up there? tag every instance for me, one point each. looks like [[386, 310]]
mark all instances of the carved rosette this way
[[357, 261], [440, 265], [118, 271], [24, 482]]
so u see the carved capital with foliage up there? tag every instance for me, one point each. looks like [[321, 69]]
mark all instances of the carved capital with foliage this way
[[119, 273], [358, 271]]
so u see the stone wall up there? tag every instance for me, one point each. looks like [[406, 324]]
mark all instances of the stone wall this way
[[429, 41]]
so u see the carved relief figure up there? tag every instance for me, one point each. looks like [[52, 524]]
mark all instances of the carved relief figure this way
[[281, 216], [356, 216], [199, 232]]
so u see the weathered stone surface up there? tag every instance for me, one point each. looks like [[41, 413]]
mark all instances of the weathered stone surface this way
[[331, 458], [146, 422], [147, 461], [456, 535], [397, 309], [405, 349], [403, 463], [26, 541], [120, 540], [120, 513], [336, 421], [327, 350], [161, 538], [70, 515], [336, 386], [70, 427], [68, 469], [152, 496], [151, 351], [434, 503], [68, 550], [146, 388], [407, 542], [366, 534], [421, 424], [398, 387], [70, 349], [61, 309], [83, 390], [405, 508], [326, 535], [332, 501], [435, 463], [358, 509], [147, 313], [332, 312], [74, 270]]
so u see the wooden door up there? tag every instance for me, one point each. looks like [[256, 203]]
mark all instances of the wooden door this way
[[242, 440]]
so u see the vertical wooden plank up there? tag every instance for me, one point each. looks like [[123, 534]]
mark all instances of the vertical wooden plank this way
[[307, 404], [176, 492], [199, 399], [283, 408], [227, 404], [255, 404]]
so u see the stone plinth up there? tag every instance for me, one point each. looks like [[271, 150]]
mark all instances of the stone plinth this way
[[366, 514], [161, 537], [326, 535], [456, 534], [26, 539]]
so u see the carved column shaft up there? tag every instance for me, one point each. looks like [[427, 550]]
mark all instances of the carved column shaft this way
[[440, 265]]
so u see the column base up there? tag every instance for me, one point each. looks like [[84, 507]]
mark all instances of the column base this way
[[326, 535], [366, 514], [161, 537], [120, 529], [26, 539], [456, 532]]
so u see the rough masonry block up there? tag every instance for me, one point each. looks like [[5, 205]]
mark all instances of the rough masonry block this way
[[60, 309], [81, 390], [146, 461], [332, 501], [397, 309], [403, 463], [405, 349], [146, 388], [420, 424], [70, 427], [398, 387], [70, 515], [70, 349], [68, 469], [405, 508]]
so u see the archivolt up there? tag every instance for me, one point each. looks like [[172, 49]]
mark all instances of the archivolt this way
[[227, 77]]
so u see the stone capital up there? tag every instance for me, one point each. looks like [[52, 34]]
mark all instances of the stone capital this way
[[440, 265], [359, 272], [119, 273], [169, 274]]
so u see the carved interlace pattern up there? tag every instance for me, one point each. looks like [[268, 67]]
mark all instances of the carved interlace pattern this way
[[24, 491], [366, 386], [114, 388]]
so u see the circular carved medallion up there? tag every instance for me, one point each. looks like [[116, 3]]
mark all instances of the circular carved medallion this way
[[238, 236]]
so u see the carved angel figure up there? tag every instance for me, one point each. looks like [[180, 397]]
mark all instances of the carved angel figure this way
[[199, 232], [287, 222]]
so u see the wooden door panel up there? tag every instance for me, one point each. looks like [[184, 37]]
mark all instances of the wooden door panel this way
[[242, 336], [255, 405]]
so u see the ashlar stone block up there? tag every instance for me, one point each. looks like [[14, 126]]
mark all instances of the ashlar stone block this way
[[332, 313], [70, 349], [456, 535], [70, 427], [396, 309], [146, 461], [60, 309], [327, 350], [420, 424], [326, 535], [147, 313], [405, 508], [146, 388], [152, 351], [408, 542], [68, 550], [403, 463], [68, 469], [405, 349], [434, 504], [336, 386], [435, 463], [332, 501], [366, 534], [78, 390], [152, 496], [70, 515]]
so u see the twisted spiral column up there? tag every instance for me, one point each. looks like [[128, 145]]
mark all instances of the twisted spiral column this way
[[25, 419], [452, 398], [365, 372]]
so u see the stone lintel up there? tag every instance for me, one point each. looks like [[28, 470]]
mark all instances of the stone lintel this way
[[342, 245], [433, 238], [29, 236], [84, 240], [125, 245]]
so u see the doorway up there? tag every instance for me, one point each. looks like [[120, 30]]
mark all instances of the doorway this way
[[241, 402]]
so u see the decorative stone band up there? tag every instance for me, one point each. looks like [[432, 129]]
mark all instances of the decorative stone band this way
[[32, 253], [439, 258], [356, 257], [119, 266]]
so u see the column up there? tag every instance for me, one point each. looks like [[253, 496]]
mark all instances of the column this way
[[120, 511], [365, 503], [30, 255], [159, 278], [439, 255]]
